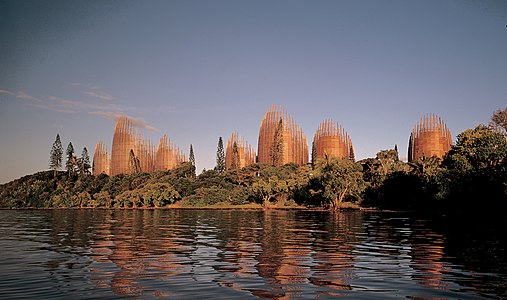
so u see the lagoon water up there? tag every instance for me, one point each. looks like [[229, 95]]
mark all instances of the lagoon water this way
[[209, 254]]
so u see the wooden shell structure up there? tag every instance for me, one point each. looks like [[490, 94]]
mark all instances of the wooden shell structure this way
[[126, 138], [294, 146], [245, 154], [101, 159], [168, 155], [430, 137], [331, 140]]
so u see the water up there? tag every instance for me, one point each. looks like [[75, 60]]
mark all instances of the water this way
[[205, 254]]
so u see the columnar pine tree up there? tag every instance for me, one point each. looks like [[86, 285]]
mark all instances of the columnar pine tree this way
[[84, 162], [220, 168], [314, 153], [277, 147], [191, 157], [351, 154], [235, 157], [70, 165], [56, 155], [134, 164]]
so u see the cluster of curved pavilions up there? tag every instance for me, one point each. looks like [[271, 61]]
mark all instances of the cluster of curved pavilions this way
[[278, 132]]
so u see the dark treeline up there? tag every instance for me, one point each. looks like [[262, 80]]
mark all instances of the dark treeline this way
[[470, 177]]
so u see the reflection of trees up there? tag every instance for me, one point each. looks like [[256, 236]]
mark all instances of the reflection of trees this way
[[475, 246]]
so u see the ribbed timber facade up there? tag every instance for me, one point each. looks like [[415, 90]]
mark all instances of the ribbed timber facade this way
[[168, 155], [294, 146], [430, 137], [124, 140], [238, 152], [331, 140], [146, 158], [101, 159]]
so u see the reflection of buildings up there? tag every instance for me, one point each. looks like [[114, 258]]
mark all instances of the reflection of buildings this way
[[132, 153], [427, 255], [430, 137], [238, 152], [294, 256], [280, 126], [333, 252], [332, 141], [137, 252], [168, 155]]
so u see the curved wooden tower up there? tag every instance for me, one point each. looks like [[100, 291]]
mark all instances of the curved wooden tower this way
[[168, 155], [101, 159], [124, 140], [332, 140], [145, 159], [430, 137], [238, 152], [145, 152], [291, 144]]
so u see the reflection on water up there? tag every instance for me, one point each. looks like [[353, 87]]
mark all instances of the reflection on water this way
[[243, 254]]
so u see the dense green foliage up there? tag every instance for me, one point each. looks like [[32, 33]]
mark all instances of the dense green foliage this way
[[471, 176]]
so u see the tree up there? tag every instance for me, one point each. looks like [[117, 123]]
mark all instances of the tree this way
[[426, 166], [268, 182], [235, 157], [134, 164], [267, 188], [56, 155], [277, 146], [481, 147], [338, 179], [351, 154], [84, 162], [191, 157], [314, 153], [220, 168], [71, 159], [476, 168], [499, 119]]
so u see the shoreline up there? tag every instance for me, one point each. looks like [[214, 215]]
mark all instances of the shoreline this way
[[369, 209]]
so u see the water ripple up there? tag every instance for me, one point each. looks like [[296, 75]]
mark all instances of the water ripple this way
[[110, 254]]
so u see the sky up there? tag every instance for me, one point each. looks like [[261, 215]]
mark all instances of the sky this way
[[198, 70]]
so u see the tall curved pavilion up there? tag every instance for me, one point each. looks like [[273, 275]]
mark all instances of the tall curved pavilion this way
[[124, 140], [429, 137], [145, 158], [101, 159], [332, 140], [168, 155], [281, 140], [238, 153]]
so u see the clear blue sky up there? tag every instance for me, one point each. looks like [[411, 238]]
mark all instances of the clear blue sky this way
[[197, 70]]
